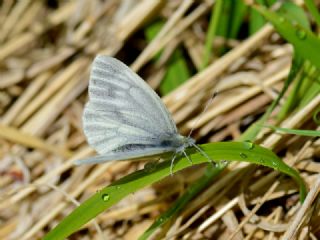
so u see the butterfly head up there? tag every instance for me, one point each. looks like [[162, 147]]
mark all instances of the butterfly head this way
[[187, 141]]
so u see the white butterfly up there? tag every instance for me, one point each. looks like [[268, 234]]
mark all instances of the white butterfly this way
[[125, 118]]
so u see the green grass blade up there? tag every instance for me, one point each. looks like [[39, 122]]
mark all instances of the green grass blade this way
[[313, 10], [224, 17], [256, 20], [151, 32], [177, 73], [228, 13], [312, 88], [289, 11], [316, 116], [238, 12], [271, 2], [190, 193], [252, 132], [212, 31], [306, 86], [293, 96], [231, 14], [309, 133], [294, 14], [303, 40], [177, 68], [221, 151]]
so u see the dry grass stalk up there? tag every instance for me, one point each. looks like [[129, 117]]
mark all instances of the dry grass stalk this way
[[44, 75]]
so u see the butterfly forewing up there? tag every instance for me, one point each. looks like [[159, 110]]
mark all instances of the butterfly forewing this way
[[124, 117]]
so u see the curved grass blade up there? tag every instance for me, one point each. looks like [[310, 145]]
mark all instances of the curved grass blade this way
[[294, 14], [193, 190], [252, 132], [313, 9], [221, 151], [303, 40], [291, 12]]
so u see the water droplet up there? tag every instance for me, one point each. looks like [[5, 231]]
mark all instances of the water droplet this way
[[222, 163], [281, 19], [275, 165], [248, 144], [215, 164], [105, 197], [262, 161], [118, 187], [242, 155], [301, 34]]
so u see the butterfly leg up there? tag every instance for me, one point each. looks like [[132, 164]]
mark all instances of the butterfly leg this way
[[186, 155]]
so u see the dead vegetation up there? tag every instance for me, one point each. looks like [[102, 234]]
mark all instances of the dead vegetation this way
[[45, 56]]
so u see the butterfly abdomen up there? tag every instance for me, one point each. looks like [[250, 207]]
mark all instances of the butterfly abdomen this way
[[132, 147]]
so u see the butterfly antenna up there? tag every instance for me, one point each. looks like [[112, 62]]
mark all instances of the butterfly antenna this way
[[203, 111], [196, 122]]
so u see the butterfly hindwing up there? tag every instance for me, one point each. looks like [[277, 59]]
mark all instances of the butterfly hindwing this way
[[133, 154]]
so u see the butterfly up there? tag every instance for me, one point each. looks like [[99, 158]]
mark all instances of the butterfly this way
[[125, 119]]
